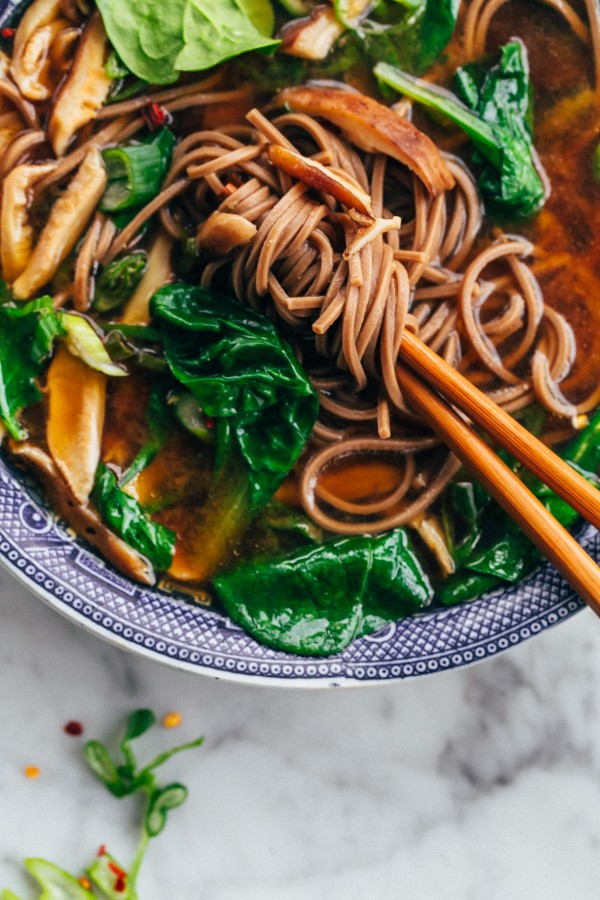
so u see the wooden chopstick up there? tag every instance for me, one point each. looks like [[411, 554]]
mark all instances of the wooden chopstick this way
[[509, 433], [539, 525]]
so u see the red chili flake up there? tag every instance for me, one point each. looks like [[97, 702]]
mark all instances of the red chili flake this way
[[121, 877], [102, 851], [73, 728], [155, 115], [210, 423], [8, 33]]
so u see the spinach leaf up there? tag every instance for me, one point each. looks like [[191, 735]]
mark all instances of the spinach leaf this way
[[584, 449], [244, 375], [27, 335], [125, 516], [316, 600], [158, 41], [412, 40], [497, 118], [465, 586], [261, 403], [500, 551]]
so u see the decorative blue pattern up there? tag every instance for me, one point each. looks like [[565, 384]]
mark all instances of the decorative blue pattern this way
[[61, 569], [168, 627]]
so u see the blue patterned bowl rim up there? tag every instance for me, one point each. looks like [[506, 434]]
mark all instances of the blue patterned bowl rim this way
[[45, 554]]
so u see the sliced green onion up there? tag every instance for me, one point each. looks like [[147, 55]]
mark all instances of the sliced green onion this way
[[83, 341], [136, 173], [192, 417], [119, 280]]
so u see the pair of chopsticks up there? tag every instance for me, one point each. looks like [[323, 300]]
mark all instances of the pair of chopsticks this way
[[419, 370]]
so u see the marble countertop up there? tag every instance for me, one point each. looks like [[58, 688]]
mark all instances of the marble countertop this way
[[478, 784]]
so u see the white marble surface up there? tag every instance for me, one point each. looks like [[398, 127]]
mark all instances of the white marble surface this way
[[479, 784]]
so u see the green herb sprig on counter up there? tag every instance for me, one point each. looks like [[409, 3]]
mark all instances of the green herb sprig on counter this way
[[122, 778]]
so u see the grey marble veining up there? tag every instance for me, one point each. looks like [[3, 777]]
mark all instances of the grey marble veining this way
[[478, 784]]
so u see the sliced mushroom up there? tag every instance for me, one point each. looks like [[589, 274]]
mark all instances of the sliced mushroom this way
[[311, 172], [85, 89], [63, 49], [77, 401], [68, 218], [4, 67], [10, 126], [17, 234], [375, 128], [30, 61], [312, 37], [222, 232], [430, 531], [158, 273], [84, 520]]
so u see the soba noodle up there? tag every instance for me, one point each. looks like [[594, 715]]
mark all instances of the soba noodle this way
[[423, 263]]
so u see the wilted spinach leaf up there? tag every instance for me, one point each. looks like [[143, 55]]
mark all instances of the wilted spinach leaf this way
[[497, 118], [125, 516], [245, 377], [27, 335], [317, 600]]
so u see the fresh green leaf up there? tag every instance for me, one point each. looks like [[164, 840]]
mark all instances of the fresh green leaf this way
[[244, 375], [56, 883], [214, 32], [158, 41], [135, 173], [8, 895], [27, 335], [318, 599], [101, 763], [118, 281], [125, 516], [83, 341], [160, 803], [139, 722], [497, 118], [261, 14]]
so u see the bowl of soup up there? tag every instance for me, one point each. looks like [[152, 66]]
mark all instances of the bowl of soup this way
[[212, 241]]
